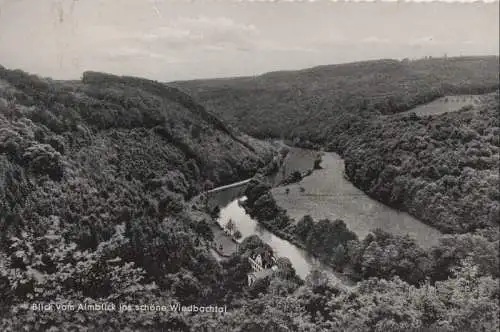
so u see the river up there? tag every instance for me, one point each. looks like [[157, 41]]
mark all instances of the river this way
[[302, 261], [327, 194]]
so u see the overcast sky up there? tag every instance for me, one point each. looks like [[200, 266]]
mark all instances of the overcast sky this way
[[174, 40]]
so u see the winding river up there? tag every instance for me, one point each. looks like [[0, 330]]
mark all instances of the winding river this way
[[300, 259], [325, 194]]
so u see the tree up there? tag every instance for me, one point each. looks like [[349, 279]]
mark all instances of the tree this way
[[317, 280], [325, 236], [170, 204], [234, 277], [237, 235], [203, 228], [254, 190], [265, 207], [208, 185], [316, 294], [42, 158], [296, 176], [252, 245], [379, 305], [65, 274], [285, 268], [215, 212], [317, 162], [282, 287], [452, 249], [371, 261], [385, 255], [339, 258], [283, 152], [230, 226], [304, 226], [471, 300], [186, 287]]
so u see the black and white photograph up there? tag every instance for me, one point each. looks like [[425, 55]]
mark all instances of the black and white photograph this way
[[249, 166]]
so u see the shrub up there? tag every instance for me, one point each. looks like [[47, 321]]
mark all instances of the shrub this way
[[42, 158]]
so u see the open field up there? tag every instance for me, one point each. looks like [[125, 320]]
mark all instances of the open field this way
[[327, 194], [446, 104], [297, 159]]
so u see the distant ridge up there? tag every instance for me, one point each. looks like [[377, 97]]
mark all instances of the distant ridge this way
[[311, 100]]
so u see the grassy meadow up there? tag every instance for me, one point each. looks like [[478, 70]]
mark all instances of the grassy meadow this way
[[327, 194], [297, 159], [446, 104]]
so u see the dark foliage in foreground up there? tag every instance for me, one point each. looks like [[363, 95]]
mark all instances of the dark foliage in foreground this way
[[93, 180], [383, 256]]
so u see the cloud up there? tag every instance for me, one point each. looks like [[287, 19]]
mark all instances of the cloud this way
[[427, 41], [187, 34], [133, 54], [219, 24], [423, 41], [199, 32], [375, 40], [274, 46], [418, 41]]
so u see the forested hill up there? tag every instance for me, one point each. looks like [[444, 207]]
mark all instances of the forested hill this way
[[125, 145], [94, 177], [94, 181], [443, 169], [319, 103]]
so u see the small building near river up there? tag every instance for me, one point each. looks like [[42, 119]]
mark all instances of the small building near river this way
[[262, 267]]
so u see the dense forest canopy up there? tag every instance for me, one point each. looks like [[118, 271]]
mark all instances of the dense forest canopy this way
[[95, 181], [111, 139], [319, 103], [442, 169], [98, 171]]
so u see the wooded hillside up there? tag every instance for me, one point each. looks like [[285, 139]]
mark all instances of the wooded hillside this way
[[320, 103], [94, 181], [442, 169]]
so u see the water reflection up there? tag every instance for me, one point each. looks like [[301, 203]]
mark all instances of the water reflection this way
[[301, 260], [326, 194]]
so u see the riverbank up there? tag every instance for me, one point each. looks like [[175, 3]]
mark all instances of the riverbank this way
[[280, 242], [224, 244], [328, 194], [287, 234], [323, 196], [301, 260], [274, 173]]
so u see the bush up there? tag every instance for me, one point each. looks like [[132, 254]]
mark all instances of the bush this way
[[42, 158]]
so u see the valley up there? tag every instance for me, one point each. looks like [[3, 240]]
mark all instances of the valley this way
[[326, 193], [118, 189]]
